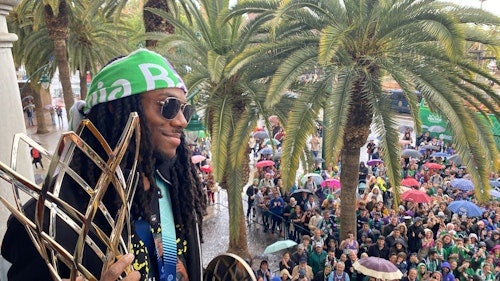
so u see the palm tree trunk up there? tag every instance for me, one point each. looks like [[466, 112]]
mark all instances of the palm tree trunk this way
[[155, 23], [83, 84], [61, 55], [234, 180], [237, 227], [41, 124], [357, 131], [58, 29], [349, 179]]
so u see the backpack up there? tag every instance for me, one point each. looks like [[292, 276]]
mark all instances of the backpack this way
[[35, 153]]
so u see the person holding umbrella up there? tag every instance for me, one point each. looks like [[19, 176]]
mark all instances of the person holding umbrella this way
[[29, 113]]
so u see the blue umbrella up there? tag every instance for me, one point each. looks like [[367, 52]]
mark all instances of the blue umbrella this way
[[494, 183], [495, 193], [266, 151], [463, 207], [439, 154], [462, 184], [260, 135]]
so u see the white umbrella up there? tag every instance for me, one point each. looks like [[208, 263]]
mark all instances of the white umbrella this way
[[29, 106], [436, 129]]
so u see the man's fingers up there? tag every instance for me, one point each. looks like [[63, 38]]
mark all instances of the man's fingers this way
[[133, 276], [118, 268]]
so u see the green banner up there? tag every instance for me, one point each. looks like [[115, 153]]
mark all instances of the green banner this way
[[433, 123], [438, 126]]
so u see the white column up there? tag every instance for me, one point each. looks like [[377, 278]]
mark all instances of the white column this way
[[11, 111]]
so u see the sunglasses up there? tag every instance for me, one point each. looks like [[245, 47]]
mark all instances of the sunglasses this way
[[170, 108]]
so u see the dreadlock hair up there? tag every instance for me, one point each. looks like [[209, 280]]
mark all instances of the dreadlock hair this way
[[186, 187]]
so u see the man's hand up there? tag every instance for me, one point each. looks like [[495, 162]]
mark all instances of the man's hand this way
[[116, 270]]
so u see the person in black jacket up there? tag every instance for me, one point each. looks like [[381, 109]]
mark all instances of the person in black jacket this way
[[379, 250], [142, 82], [363, 171], [251, 191], [415, 235]]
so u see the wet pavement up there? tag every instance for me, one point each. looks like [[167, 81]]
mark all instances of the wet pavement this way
[[216, 232]]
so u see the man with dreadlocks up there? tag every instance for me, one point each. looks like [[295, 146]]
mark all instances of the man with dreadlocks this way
[[146, 83]]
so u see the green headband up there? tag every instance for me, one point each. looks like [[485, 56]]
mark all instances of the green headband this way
[[139, 72]]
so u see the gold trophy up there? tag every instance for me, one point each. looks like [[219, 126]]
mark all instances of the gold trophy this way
[[50, 209]]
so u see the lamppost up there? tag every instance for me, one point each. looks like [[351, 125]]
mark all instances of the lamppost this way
[[44, 79], [42, 97], [194, 129]]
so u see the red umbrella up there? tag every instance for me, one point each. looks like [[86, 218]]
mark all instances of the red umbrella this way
[[416, 196], [410, 182], [432, 165], [206, 168], [264, 163]]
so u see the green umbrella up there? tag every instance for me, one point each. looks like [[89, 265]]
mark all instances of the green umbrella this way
[[279, 245]]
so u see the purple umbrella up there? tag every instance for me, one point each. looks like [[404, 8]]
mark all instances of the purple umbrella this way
[[462, 184], [378, 268], [374, 162]]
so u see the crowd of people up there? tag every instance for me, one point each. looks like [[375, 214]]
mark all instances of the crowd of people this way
[[425, 241]]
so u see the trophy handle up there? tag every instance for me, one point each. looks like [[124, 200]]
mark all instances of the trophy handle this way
[[227, 267]]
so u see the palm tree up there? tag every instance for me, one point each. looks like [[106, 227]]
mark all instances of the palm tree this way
[[56, 16], [155, 23], [229, 89], [419, 44], [96, 37]]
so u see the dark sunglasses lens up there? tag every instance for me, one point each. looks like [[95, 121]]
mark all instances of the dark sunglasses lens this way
[[170, 108], [188, 112]]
